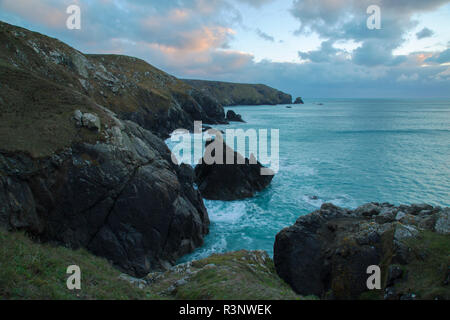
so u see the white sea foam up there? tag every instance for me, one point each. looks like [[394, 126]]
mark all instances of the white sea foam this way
[[225, 212]]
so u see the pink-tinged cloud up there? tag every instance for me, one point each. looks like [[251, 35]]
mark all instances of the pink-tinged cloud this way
[[50, 15]]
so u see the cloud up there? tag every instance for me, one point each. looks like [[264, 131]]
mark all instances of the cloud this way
[[440, 57], [424, 33], [256, 3], [347, 20], [49, 13], [403, 77], [326, 53], [192, 38], [264, 36]]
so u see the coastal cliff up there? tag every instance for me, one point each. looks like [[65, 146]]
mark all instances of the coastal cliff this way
[[233, 94], [129, 87], [83, 167], [76, 171]]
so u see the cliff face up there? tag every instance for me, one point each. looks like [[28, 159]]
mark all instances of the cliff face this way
[[128, 86], [75, 171], [232, 94]]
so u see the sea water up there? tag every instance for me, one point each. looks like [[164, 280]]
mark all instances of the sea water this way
[[347, 152]]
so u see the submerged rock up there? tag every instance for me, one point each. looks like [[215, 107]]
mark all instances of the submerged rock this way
[[327, 252], [238, 180]]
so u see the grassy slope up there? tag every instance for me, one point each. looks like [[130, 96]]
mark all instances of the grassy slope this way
[[35, 271], [41, 87], [241, 275], [30, 270], [36, 114], [426, 274]]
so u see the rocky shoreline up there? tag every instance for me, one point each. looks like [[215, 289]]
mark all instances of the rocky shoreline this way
[[85, 167], [327, 252]]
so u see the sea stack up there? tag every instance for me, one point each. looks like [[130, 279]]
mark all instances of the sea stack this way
[[299, 100], [227, 182], [234, 117]]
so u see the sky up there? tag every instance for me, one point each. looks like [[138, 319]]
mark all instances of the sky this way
[[308, 48]]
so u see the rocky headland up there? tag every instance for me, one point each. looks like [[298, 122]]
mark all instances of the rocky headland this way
[[233, 94], [82, 162], [85, 177]]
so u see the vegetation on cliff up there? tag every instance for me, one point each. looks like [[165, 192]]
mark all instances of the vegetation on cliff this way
[[39, 70], [30, 270], [327, 253], [232, 94]]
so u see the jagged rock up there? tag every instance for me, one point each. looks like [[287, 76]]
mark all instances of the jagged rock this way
[[400, 215], [91, 121], [368, 210], [140, 283], [299, 100], [386, 216], [78, 116], [123, 199], [327, 252], [443, 222], [234, 117], [227, 182], [403, 232]]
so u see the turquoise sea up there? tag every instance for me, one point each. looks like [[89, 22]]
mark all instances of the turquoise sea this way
[[346, 151]]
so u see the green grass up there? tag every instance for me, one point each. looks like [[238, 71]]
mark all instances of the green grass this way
[[241, 275], [426, 274], [227, 93], [38, 271], [37, 118], [31, 270]]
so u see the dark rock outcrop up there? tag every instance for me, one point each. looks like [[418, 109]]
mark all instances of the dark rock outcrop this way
[[75, 171], [299, 100], [233, 94], [123, 199], [226, 182], [327, 252], [234, 117]]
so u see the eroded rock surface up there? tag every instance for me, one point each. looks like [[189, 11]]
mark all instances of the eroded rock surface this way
[[327, 252], [240, 179], [121, 197]]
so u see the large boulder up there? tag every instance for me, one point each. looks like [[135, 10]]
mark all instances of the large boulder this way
[[230, 181], [327, 253]]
